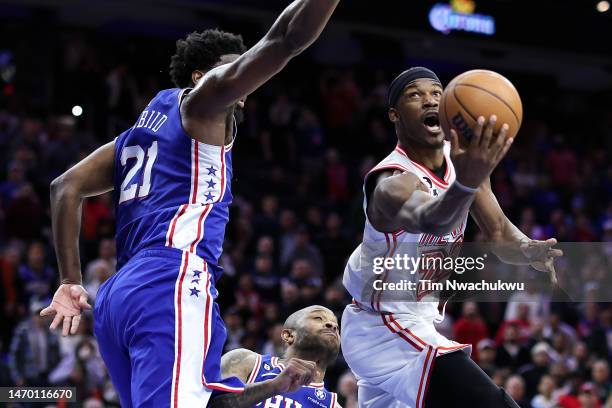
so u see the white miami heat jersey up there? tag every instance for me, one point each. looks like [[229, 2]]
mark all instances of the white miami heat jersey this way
[[366, 270]]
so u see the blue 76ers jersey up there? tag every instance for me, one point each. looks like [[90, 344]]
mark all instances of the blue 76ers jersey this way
[[170, 190], [309, 396]]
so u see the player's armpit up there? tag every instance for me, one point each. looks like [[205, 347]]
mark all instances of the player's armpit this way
[[391, 204], [238, 363]]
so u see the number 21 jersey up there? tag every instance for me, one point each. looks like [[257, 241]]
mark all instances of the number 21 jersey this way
[[170, 190]]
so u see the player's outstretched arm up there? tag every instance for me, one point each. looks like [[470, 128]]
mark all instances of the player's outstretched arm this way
[[397, 202], [400, 202], [296, 28], [511, 245], [91, 176], [296, 374]]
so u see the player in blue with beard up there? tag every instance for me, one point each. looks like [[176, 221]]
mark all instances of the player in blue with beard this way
[[156, 319], [310, 335]]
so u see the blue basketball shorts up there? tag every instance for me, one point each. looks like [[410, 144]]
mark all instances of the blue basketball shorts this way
[[160, 332]]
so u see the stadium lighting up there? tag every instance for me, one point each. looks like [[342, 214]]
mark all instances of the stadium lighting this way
[[603, 6], [77, 110]]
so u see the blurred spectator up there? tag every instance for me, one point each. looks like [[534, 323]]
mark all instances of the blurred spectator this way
[[305, 250], [600, 375], [34, 350], [537, 303], [515, 387], [545, 398], [37, 277], [265, 277], [521, 323], [511, 353], [274, 345], [486, 356], [61, 152], [470, 328], [24, 214], [235, 329], [586, 397], [533, 372], [561, 164], [334, 246], [248, 300], [10, 291], [337, 173]]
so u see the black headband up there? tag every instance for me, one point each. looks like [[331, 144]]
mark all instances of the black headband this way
[[399, 83]]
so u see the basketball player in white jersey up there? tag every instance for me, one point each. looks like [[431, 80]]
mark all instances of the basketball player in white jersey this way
[[417, 201]]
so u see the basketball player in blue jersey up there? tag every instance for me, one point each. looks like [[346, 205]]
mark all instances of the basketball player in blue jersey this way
[[156, 319], [309, 335]]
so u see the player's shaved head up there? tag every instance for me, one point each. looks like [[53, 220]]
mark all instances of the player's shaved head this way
[[295, 319], [312, 333]]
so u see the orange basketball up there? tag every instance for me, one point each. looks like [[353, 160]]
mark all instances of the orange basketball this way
[[480, 93]]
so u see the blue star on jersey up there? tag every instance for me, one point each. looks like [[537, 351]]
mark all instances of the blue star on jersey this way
[[209, 196], [212, 171], [194, 292], [211, 183]]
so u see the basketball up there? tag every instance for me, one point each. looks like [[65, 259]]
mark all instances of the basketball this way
[[480, 93]]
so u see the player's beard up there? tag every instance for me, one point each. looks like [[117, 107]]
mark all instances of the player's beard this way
[[314, 347]]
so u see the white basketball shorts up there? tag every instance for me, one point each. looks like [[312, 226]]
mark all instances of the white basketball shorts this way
[[392, 356]]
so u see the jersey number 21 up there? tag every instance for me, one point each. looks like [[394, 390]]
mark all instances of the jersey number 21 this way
[[129, 189]]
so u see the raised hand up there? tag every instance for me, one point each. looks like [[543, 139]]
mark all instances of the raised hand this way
[[485, 150], [68, 302], [296, 374]]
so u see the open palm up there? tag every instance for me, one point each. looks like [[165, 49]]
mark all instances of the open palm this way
[[68, 302]]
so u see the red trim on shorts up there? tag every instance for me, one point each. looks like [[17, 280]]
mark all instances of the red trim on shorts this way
[[407, 330], [425, 375], [401, 334], [418, 398]]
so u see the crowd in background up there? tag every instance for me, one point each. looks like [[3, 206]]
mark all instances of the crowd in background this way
[[308, 139]]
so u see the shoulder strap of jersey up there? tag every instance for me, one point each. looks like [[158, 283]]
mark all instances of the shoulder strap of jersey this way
[[334, 400], [255, 370]]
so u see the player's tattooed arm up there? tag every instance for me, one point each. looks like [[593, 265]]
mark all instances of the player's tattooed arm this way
[[298, 26], [510, 244], [401, 202], [296, 374], [252, 395], [238, 363]]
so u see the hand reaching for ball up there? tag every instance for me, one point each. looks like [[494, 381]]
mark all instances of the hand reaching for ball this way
[[475, 163]]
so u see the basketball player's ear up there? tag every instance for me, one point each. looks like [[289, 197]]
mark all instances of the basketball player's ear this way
[[196, 76], [393, 115], [287, 336]]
